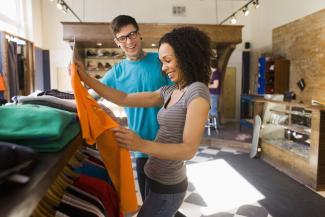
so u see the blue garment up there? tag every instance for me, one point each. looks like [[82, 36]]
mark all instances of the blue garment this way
[[214, 98], [94, 171], [139, 76]]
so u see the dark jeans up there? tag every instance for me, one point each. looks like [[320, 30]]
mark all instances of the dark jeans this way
[[140, 162], [161, 205]]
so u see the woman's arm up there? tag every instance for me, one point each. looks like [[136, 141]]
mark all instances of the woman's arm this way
[[215, 84], [196, 117], [141, 99]]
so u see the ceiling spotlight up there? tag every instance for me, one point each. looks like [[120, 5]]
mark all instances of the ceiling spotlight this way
[[65, 9], [246, 11], [256, 3], [153, 45], [99, 44], [233, 20], [59, 5]]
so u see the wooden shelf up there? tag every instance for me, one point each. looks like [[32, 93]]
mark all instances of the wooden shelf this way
[[285, 146], [302, 114], [301, 158], [21, 200], [293, 127], [96, 70], [104, 58]]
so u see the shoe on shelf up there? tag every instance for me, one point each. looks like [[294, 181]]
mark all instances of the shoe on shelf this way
[[107, 65], [91, 65], [91, 53], [100, 66], [106, 53], [100, 53]]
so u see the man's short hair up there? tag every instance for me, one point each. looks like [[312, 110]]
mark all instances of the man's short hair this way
[[121, 21]]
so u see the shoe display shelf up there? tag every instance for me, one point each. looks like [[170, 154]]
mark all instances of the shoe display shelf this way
[[99, 60]]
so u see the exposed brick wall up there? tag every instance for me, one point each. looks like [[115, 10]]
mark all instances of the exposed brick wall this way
[[303, 43]]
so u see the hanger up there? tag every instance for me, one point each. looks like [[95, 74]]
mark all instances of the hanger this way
[[62, 182], [66, 179], [74, 163], [69, 172], [43, 211], [37, 213], [47, 208], [53, 195]]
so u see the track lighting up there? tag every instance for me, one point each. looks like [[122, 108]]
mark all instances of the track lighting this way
[[62, 5], [65, 9], [233, 20], [244, 9], [256, 3], [59, 5]]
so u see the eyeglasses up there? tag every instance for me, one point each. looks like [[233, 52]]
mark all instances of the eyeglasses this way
[[131, 35]]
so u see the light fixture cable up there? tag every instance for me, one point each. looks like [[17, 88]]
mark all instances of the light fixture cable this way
[[244, 9], [62, 5]]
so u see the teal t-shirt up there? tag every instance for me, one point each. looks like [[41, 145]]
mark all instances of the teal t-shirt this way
[[139, 76]]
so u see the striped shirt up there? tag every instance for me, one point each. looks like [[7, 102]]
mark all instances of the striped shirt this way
[[172, 121]]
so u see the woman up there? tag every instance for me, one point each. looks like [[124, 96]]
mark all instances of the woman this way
[[185, 56]]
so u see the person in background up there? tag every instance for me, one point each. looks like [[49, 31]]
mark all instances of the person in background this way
[[215, 90], [138, 72], [185, 56]]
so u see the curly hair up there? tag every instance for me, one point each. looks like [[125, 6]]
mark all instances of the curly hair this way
[[193, 52], [121, 21]]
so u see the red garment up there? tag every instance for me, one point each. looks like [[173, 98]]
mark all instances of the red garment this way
[[102, 190], [95, 125]]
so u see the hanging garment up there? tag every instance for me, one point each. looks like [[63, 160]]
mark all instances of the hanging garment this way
[[2, 83], [95, 126], [13, 77], [102, 190], [21, 71]]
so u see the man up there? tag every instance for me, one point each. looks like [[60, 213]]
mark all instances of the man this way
[[139, 72], [215, 90]]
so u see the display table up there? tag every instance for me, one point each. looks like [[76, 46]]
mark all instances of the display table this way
[[22, 200]]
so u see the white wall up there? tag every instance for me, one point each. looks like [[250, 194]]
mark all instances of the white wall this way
[[274, 13]]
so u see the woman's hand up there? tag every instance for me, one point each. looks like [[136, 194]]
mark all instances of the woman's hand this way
[[128, 139], [81, 70]]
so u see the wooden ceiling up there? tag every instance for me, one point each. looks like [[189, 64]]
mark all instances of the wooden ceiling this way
[[89, 34]]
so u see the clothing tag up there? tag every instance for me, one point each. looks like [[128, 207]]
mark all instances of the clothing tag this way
[[18, 178]]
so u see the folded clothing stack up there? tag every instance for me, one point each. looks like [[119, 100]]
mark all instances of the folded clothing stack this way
[[13, 158], [42, 128], [50, 101]]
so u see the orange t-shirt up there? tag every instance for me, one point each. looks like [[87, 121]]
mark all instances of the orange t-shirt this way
[[2, 83], [95, 127]]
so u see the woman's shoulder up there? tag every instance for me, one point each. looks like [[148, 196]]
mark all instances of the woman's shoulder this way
[[198, 86], [197, 89]]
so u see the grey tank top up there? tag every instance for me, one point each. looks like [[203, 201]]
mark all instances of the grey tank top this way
[[171, 126]]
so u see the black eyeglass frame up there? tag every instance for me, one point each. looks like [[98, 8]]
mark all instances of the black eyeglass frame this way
[[132, 35]]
